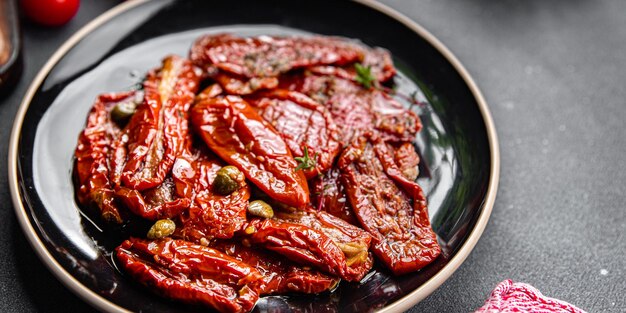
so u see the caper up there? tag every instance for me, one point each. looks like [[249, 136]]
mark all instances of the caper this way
[[260, 208], [162, 228], [228, 179], [122, 112]]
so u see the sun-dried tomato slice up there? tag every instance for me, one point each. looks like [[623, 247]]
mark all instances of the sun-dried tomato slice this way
[[402, 236], [357, 110], [267, 56], [378, 61], [191, 273], [156, 133], [95, 144], [232, 129], [279, 274], [353, 241], [301, 122], [156, 203], [305, 245]]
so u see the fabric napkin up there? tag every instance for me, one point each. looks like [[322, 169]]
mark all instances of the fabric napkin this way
[[510, 297]]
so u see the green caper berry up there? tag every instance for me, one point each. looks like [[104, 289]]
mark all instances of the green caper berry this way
[[228, 179], [122, 112], [162, 228], [260, 208]]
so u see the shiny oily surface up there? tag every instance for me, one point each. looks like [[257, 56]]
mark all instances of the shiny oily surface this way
[[454, 144]]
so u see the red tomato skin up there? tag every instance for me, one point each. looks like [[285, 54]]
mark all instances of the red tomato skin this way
[[50, 12]]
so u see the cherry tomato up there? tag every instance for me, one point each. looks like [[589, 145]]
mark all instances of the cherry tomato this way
[[50, 12]]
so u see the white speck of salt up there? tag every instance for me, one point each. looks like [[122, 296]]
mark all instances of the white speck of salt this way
[[604, 272], [510, 105]]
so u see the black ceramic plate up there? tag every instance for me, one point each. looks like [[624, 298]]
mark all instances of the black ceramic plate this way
[[459, 170]]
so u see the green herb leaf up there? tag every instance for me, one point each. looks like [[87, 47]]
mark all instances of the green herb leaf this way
[[305, 162], [364, 75]]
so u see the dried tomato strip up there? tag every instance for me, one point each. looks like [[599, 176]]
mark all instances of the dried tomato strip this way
[[267, 56], [191, 273], [279, 274], [301, 122], [92, 153], [402, 236], [353, 241], [154, 203], [156, 133], [236, 133], [299, 243], [378, 60], [357, 110], [171, 197]]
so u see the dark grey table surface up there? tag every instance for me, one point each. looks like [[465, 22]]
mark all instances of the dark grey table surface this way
[[554, 75]]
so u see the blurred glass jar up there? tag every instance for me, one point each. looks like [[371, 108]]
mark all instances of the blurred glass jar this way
[[10, 63]]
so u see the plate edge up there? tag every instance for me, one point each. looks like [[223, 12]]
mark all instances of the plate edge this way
[[400, 305]]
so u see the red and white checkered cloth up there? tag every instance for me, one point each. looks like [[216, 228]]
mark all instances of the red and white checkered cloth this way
[[510, 297]]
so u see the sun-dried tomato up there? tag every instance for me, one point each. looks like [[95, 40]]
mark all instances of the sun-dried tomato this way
[[191, 273], [357, 110], [298, 243], [301, 122], [378, 61], [154, 203], [232, 129], [92, 155], [302, 244], [267, 56], [402, 237], [156, 133], [353, 241], [279, 274]]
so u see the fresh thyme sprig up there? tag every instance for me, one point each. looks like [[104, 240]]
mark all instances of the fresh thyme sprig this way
[[305, 162], [364, 75]]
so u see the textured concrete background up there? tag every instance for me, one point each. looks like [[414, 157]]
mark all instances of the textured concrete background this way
[[553, 73]]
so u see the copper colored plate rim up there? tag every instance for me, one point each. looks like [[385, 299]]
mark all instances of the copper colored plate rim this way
[[400, 305]]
